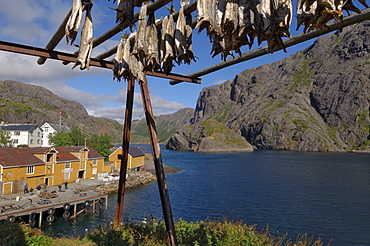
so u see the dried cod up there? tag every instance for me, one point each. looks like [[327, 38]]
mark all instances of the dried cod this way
[[206, 14], [168, 43], [152, 60], [121, 67], [74, 21], [125, 11], [140, 48], [86, 42], [183, 37]]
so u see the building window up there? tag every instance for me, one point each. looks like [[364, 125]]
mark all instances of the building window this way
[[38, 134], [30, 169], [67, 176], [49, 157], [94, 171], [15, 141], [67, 165], [31, 141], [38, 141], [17, 133], [95, 162]]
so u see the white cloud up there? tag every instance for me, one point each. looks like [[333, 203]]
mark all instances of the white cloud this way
[[220, 81]]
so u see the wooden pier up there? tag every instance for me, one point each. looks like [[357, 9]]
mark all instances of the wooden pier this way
[[35, 209]]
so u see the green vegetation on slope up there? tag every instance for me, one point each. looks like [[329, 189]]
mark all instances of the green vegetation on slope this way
[[154, 233]]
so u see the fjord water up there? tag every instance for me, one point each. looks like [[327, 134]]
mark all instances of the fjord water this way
[[326, 194]]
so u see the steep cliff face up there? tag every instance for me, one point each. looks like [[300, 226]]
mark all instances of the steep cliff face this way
[[317, 99], [21, 103]]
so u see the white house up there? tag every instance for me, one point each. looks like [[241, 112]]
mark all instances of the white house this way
[[48, 129], [24, 134]]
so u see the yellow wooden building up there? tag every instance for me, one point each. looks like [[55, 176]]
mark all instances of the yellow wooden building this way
[[46, 165], [135, 158]]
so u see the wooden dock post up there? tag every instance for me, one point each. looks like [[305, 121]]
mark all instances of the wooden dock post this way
[[40, 218]]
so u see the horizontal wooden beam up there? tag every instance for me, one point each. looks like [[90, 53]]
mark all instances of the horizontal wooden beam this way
[[62, 56], [332, 26]]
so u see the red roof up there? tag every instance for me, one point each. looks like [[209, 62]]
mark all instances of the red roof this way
[[17, 157], [25, 156]]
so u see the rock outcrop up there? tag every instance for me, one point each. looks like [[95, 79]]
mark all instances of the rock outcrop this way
[[315, 100], [208, 136]]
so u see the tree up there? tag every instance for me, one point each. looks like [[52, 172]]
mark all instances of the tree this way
[[5, 139], [59, 139], [77, 137], [101, 144]]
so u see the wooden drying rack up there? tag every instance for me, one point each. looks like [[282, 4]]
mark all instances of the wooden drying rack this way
[[49, 53]]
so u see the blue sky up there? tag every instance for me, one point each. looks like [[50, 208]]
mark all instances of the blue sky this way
[[33, 22]]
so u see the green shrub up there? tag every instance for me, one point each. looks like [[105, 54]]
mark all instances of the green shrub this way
[[11, 234]]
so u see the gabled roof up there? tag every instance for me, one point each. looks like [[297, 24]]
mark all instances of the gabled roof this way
[[133, 151], [59, 128], [18, 157], [92, 153], [18, 127], [62, 153]]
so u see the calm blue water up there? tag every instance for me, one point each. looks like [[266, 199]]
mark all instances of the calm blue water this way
[[326, 194]]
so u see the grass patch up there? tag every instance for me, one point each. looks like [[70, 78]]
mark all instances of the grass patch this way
[[301, 123], [18, 108], [302, 78], [223, 114], [362, 120]]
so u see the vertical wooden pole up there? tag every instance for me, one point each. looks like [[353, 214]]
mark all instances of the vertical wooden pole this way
[[159, 170], [40, 219], [125, 148]]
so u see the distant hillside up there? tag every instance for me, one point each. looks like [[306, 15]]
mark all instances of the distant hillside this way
[[315, 100], [21, 103], [166, 126]]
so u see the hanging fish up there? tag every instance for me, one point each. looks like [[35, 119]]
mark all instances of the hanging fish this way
[[126, 68], [117, 63], [189, 40], [74, 21], [230, 18], [168, 43], [141, 47], [86, 42], [162, 41], [125, 11], [183, 36], [305, 14], [152, 61], [206, 14]]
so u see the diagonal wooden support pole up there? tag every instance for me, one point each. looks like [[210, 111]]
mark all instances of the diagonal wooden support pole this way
[[125, 148], [159, 170]]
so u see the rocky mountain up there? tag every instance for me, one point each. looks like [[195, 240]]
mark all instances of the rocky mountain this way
[[166, 126], [22, 103], [314, 100]]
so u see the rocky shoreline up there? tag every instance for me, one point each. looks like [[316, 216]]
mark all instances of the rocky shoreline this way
[[135, 179]]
